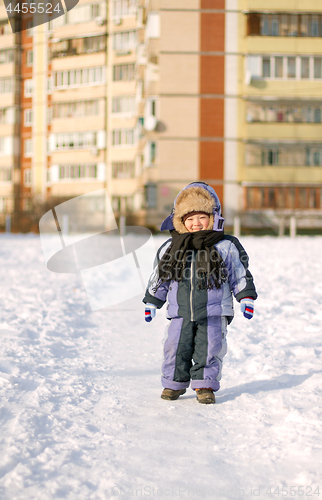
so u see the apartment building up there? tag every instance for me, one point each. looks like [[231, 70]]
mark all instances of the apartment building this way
[[186, 107], [125, 184], [53, 110], [236, 87], [10, 93], [282, 102]]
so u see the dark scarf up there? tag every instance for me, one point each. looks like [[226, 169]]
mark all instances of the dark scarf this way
[[210, 268]]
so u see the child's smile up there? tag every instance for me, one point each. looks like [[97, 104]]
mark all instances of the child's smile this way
[[197, 222]]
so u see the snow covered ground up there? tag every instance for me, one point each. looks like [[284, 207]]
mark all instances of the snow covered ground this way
[[81, 415]]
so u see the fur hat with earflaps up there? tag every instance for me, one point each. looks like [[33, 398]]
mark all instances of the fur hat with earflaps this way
[[190, 201]]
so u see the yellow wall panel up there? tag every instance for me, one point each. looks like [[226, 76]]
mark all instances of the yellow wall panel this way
[[296, 131], [179, 160], [180, 117], [179, 74], [283, 174], [180, 4], [180, 31]]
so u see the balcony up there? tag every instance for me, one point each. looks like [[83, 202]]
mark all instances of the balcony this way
[[78, 46]]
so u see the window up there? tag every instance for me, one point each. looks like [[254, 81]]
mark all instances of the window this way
[[9, 115], [314, 156], [317, 115], [5, 174], [151, 195], [82, 171], [29, 28], [317, 67], [122, 137], [153, 150], [5, 28], [29, 88], [291, 67], [153, 107], [265, 25], [123, 72], [266, 67], [152, 29], [27, 177], [8, 85], [285, 29], [58, 22], [124, 40], [28, 150], [29, 57], [304, 25], [302, 197], [122, 8], [287, 67], [76, 46], [6, 56], [284, 24], [315, 31], [305, 67], [270, 157], [123, 170], [283, 154], [294, 28], [49, 114], [77, 140], [77, 78], [82, 14], [2, 145], [278, 67], [312, 198], [275, 25], [271, 198], [28, 117]]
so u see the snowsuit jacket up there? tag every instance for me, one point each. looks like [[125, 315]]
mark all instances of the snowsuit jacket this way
[[186, 300]]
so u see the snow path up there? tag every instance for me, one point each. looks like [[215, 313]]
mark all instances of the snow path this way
[[81, 415]]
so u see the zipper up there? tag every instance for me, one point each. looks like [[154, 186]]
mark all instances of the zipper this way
[[191, 287]]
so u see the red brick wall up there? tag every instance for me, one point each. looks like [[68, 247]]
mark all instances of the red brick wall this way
[[212, 81]]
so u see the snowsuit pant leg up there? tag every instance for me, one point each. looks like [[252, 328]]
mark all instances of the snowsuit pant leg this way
[[210, 347], [204, 342], [178, 349]]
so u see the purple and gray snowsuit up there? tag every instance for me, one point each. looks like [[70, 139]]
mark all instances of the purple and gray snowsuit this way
[[199, 317]]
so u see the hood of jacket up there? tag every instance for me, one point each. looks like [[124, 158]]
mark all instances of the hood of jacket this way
[[196, 197]]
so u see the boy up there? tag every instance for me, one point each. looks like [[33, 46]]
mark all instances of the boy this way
[[197, 271]]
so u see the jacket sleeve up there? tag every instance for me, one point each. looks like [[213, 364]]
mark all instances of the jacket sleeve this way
[[159, 297], [240, 279]]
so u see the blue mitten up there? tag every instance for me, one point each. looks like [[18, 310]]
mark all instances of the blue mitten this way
[[150, 310], [247, 307]]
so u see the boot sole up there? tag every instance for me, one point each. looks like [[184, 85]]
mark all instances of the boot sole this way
[[206, 401], [169, 398]]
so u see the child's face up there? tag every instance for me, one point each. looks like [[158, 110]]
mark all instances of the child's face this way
[[197, 222]]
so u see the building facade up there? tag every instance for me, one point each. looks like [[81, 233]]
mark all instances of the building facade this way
[[142, 97], [239, 103], [10, 105]]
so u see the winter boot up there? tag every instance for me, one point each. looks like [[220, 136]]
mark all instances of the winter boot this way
[[171, 395], [205, 396]]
